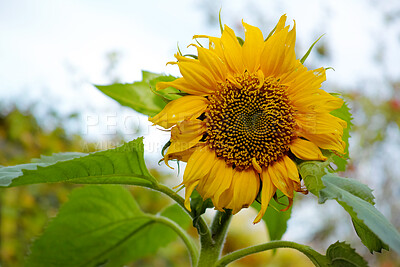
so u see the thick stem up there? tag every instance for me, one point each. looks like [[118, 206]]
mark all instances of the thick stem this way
[[318, 259], [211, 249]]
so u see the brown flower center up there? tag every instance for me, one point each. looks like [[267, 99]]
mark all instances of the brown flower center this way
[[250, 121]]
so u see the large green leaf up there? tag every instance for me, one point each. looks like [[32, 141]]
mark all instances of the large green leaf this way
[[102, 225], [122, 165], [357, 200], [139, 95], [275, 219]]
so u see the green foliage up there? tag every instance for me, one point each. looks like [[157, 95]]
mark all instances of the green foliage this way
[[368, 238], [344, 114], [198, 206], [357, 200], [311, 172], [7, 174], [122, 165], [303, 59], [275, 219], [102, 225], [341, 254], [138, 95]]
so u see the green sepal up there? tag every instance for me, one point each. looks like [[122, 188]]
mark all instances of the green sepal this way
[[198, 206], [270, 33], [240, 40], [303, 59]]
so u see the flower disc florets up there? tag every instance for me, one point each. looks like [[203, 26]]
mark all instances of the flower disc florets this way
[[250, 120]]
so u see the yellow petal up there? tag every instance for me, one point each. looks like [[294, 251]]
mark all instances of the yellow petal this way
[[303, 81], [291, 167], [317, 101], [198, 76], [331, 141], [213, 63], [217, 182], [232, 51], [306, 150], [279, 176], [267, 192], [199, 164], [320, 123], [185, 135], [182, 155], [180, 109], [246, 185], [252, 47], [278, 55], [183, 85], [197, 168]]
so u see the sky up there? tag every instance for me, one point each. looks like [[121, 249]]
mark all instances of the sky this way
[[53, 51]]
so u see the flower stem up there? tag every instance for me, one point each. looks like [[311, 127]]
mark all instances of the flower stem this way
[[318, 259], [202, 226], [211, 249], [193, 251]]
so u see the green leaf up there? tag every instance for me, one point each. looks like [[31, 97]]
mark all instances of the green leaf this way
[[357, 200], [121, 165], [101, 225], [137, 95], [167, 94], [7, 174], [344, 114], [311, 172], [341, 254], [303, 59], [275, 219], [368, 238]]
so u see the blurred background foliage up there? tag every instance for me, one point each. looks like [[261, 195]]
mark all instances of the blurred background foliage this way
[[374, 152]]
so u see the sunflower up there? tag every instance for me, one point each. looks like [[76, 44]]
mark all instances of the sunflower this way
[[249, 110]]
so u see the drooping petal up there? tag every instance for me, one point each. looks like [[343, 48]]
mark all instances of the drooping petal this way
[[182, 155], [245, 187], [198, 167], [180, 109], [217, 182], [267, 192], [306, 150], [186, 134], [279, 177], [293, 173], [252, 47]]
